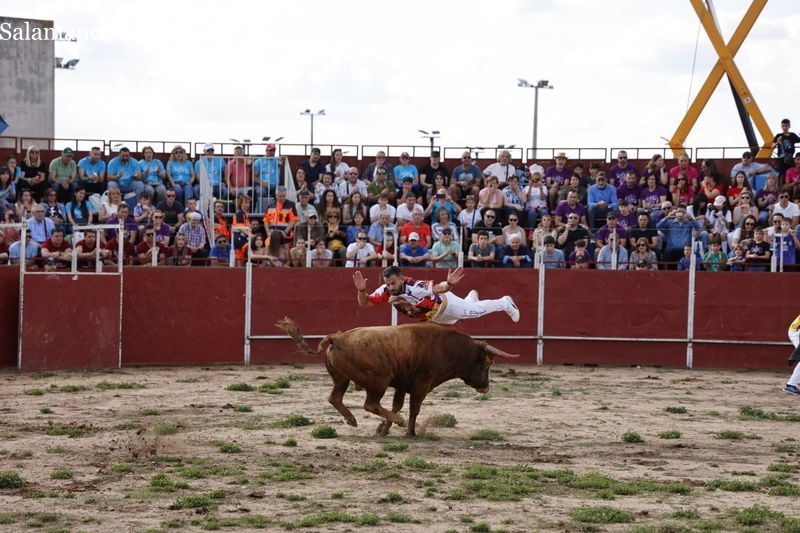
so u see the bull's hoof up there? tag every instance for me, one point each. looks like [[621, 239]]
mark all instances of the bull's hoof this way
[[383, 428], [352, 422]]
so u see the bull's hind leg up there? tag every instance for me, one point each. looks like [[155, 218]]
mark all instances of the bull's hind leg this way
[[414, 404], [373, 405], [340, 385], [397, 404]]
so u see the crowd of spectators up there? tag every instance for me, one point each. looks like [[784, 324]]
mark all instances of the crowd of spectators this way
[[570, 214]]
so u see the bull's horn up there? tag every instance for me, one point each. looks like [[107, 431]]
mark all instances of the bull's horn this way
[[497, 351]]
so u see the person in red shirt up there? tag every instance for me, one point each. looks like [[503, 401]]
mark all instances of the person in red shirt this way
[[56, 251]]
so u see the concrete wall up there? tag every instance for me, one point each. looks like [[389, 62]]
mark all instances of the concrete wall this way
[[27, 81]]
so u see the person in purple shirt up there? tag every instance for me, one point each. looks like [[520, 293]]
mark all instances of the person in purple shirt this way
[[629, 189], [131, 227], [569, 206], [611, 228], [557, 177], [626, 216], [618, 172]]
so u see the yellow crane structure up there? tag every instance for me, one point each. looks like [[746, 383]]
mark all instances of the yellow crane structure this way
[[726, 65]]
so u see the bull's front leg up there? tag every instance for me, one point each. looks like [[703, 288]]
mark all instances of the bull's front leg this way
[[373, 405], [414, 404], [397, 404]]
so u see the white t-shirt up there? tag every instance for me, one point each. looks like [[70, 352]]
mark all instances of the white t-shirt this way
[[500, 172], [403, 214], [366, 251], [790, 211], [375, 212]]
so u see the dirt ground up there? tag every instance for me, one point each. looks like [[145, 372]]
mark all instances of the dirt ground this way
[[547, 449]]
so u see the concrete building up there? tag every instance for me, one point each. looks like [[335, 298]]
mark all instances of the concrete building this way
[[27, 78]]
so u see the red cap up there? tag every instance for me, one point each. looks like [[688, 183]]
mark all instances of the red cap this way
[[404, 154], [270, 146]]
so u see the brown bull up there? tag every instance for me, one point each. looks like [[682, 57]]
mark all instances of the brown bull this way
[[412, 358]]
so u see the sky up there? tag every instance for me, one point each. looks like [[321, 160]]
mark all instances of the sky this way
[[623, 71]]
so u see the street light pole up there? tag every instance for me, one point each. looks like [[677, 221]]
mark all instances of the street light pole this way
[[434, 134], [541, 84], [312, 115]]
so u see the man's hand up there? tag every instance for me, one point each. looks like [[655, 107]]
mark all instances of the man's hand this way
[[359, 281], [455, 275]]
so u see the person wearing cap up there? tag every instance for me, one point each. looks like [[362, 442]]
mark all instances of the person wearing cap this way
[[412, 253], [445, 251], [426, 300], [751, 168], [237, 173], [601, 200], [433, 166], [266, 177], [180, 174], [123, 174], [303, 203], [63, 175], [195, 235], [213, 167], [467, 178], [311, 230], [92, 172], [611, 227], [616, 174], [418, 227], [381, 163], [406, 170], [501, 169], [557, 177], [313, 166]]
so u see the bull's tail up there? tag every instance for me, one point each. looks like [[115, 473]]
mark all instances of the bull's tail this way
[[291, 328]]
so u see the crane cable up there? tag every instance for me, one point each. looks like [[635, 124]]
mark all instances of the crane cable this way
[[694, 64]]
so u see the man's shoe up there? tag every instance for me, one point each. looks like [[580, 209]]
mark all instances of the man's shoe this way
[[791, 389], [513, 310], [472, 296]]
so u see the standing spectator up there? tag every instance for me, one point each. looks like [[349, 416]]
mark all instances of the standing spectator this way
[[784, 143], [602, 200], [153, 173], [313, 167], [678, 229], [618, 172], [214, 169], [758, 253], [238, 173], [63, 175], [481, 253], [444, 253], [557, 177], [786, 246], [123, 174], [92, 172], [715, 259], [33, 173]]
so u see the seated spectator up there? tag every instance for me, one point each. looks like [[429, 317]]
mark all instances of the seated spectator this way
[[758, 253], [92, 172], [491, 196], [431, 169], [324, 184], [378, 229], [281, 214], [793, 174], [641, 251], [744, 209], [220, 253], [41, 228], [652, 195], [580, 263], [63, 175], [360, 253], [405, 169], [378, 167], [611, 228], [53, 209], [544, 229], [718, 220], [678, 228], [381, 206], [750, 169], [153, 174], [513, 229], [626, 215], [335, 235], [574, 184], [110, 203], [387, 249], [310, 231], [277, 253], [557, 177], [407, 208], [710, 187], [79, 212], [745, 233], [629, 190], [766, 198], [552, 257], [685, 261], [571, 232], [220, 221], [31, 252], [612, 253], [86, 251], [469, 216], [692, 174], [442, 223], [715, 259], [501, 170], [298, 252], [515, 197], [143, 212], [622, 167], [356, 226], [419, 227], [657, 167], [445, 251], [431, 190], [180, 175], [491, 225], [180, 255], [569, 207], [789, 210], [172, 210], [536, 200], [354, 204], [256, 251], [56, 251], [737, 261], [321, 256], [382, 184], [738, 186], [580, 252], [150, 247], [467, 178], [112, 247], [123, 216], [482, 252], [123, 174], [682, 192], [602, 200], [213, 168], [195, 238], [515, 254], [413, 253], [442, 202], [786, 245], [162, 231]]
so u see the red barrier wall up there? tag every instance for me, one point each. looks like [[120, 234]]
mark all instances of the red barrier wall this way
[[196, 315], [70, 322], [9, 311]]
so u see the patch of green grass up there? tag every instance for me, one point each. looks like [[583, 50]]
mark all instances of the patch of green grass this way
[[122, 468], [755, 515], [445, 420], [56, 430], [394, 446], [243, 408], [33, 392], [392, 497], [486, 435], [748, 412], [398, 518], [687, 514], [72, 388], [228, 447], [187, 380], [290, 443], [130, 424], [451, 394], [670, 434], [480, 527], [676, 410], [62, 473], [42, 374], [167, 428], [783, 467], [601, 515], [271, 388], [40, 520], [482, 397], [45, 410], [7, 518], [172, 523], [417, 463], [56, 449], [324, 432], [240, 387], [332, 517], [121, 385], [197, 501], [784, 448], [150, 411], [729, 434], [290, 497], [161, 483], [631, 437], [11, 480], [275, 470], [731, 485], [292, 421]]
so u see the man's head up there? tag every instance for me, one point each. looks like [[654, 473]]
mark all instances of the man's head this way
[[280, 193], [572, 198], [611, 220], [95, 154], [404, 158], [90, 237], [416, 217], [411, 200], [270, 150], [435, 156], [352, 174], [785, 124], [66, 155], [380, 157], [124, 154], [57, 236], [123, 211], [561, 160], [315, 154], [194, 219], [622, 158], [549, 243], [489, 217], [783, 198], [144, 198], [483, 238], [208, 149], [393, 278], [169, 197], [643, 220], [602, 180], [572, 220], [447, 235], [515, 242], [383, 218], [631, 179]]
